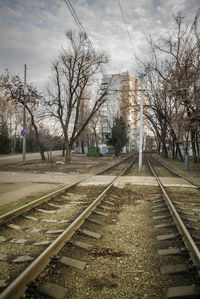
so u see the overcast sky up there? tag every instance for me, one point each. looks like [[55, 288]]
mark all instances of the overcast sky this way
[[33, 31]]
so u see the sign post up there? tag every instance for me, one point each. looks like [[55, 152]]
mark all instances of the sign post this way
[[23, 132]]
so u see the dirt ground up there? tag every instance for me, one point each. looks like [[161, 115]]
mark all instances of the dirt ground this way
[[22, 182]]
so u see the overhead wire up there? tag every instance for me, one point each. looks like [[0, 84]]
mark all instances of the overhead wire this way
[[124, 20], [77, 20], [192, 28]]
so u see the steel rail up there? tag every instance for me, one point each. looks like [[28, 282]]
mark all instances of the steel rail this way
[[177, 173], [114, 165], [25, 208], [19, 285], [186, 237]]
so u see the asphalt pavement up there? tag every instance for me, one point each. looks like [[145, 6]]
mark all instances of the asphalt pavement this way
[[10, 158]]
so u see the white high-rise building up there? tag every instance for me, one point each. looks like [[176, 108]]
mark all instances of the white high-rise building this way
[[123, 99]]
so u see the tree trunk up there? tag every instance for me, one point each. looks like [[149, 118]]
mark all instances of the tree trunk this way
[[173, 149], [158, 146], [50, 150], [63, 150], [194, 152], [163, 140], [197, 146], [68, 155], [82, 147], [116, 151], [37, 136], [40, 146], [42, 155], [68, 149], [164, 148], [165, 152]]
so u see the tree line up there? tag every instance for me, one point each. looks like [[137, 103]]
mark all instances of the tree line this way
[[68, 102], [172, 96], [71, 105]]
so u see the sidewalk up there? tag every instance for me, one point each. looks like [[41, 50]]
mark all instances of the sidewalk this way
[[20, 186], [14, 158]]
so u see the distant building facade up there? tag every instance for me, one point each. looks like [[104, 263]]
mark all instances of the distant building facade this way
[[123, 99]]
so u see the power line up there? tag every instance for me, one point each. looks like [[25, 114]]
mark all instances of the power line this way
[[77, 20], [123, 17], [188, 37]]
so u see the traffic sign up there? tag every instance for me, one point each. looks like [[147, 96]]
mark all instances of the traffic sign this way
[[23, 133]]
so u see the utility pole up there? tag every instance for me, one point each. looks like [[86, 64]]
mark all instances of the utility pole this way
[[141, 127], [24, 118]]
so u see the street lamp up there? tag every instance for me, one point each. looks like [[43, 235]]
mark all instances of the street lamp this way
[[141, 127]]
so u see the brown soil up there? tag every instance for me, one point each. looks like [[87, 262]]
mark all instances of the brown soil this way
[[80, 164]]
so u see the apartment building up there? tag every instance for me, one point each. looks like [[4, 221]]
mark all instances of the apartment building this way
[[123, 99]]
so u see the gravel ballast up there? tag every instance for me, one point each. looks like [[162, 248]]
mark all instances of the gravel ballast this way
[[124, 263]]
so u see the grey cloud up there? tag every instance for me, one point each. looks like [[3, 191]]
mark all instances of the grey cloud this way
[[33, 31]]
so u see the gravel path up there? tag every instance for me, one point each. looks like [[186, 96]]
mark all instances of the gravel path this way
[[124, 263]]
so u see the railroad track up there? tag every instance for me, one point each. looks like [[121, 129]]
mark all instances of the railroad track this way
[[182, 216], [20, 211], [176, 173], [34, 234], [115, 169]]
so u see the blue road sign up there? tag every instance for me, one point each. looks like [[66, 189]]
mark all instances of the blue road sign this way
[[23, 132]]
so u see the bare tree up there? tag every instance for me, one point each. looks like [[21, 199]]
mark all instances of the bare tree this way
[[96, 128], [12, 88], [172, 77], [10, 116], [72, 74]]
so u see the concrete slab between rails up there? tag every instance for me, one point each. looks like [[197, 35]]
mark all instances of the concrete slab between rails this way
[[166, 237], [158, 206], [136, 180], [149, 180], [163, 225], [190, 291], [52, 290], [90, 234], [175, 182], [121, 182], [170, 251], [174, 269], [101, 213], [159, 210], [105, 207], [161, 217], [82, 245], [96, 221], [98, 180], [68, 261], [108, 202]]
